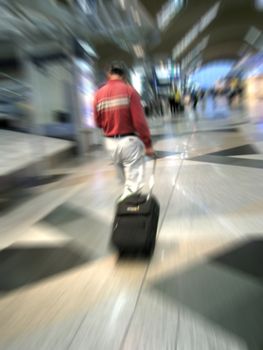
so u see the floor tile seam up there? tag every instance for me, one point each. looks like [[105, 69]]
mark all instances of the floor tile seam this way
[[54, 318], [109, 278], [176, 178], [102, 287], [122, 345]]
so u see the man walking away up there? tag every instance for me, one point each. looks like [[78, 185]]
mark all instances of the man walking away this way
[[119, 112]]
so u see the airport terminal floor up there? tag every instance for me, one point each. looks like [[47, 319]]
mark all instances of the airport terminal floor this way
[[202, 289]]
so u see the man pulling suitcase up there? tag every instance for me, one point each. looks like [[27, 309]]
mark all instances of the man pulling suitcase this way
[[119, 112]]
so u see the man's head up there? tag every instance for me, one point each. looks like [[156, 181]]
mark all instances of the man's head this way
[[117, 70]]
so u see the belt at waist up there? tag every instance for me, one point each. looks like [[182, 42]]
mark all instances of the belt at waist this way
[[120, 135]]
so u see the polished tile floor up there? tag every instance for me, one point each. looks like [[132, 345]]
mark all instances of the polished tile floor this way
[[63, 287], [18, 150]]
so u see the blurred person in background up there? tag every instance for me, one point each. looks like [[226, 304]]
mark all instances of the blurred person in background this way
[[194, 99], [119, 113], [171, 101], [177, 100], [202, 97], [233, 88]]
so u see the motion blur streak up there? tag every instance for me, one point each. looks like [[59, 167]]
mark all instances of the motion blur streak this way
[[198, 68]]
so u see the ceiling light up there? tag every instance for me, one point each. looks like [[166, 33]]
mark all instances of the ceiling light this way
[[138, 50], [136, 16], [88, 7], [259, 5], [195, 52], [168, 11], [123, 5], [259, 43], [252, 35], [89, 50], [241, 62]]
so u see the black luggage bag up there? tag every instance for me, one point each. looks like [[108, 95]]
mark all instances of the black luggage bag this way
[[135, 224]]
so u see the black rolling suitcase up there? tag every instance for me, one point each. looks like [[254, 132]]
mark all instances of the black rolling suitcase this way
[[135, 224]]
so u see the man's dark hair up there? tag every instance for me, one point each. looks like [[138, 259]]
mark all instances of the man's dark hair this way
[[119, 68]]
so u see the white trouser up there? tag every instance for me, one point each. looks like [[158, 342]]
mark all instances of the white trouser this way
[[128, 156]]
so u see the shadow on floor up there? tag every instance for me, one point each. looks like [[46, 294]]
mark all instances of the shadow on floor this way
[[225, 157], [227, 290], [92, 232], [247, 163], [11, 199], [63, 215], [21, 266], [35, 181], [237, 151], [247, 258], [19, 191], [24, 265]]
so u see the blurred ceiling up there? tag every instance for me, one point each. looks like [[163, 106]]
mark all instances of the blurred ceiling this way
[[226, 32], [127, 29]]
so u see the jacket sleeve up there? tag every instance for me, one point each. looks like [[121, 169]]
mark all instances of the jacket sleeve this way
[[96, 114], [138, 119]]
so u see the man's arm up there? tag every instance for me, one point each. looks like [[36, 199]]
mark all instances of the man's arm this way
[[96, 114], [139, 122]]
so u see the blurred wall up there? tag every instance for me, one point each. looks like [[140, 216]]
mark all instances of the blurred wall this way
[[50, 85]]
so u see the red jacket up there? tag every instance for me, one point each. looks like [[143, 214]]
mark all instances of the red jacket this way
[[118, 110]]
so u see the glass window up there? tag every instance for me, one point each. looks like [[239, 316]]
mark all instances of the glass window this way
[[209, 74]]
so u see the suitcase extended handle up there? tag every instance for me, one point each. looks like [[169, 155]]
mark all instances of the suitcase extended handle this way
[[152, 177]]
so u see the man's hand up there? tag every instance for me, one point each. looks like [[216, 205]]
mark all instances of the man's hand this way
[[149, 151]]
